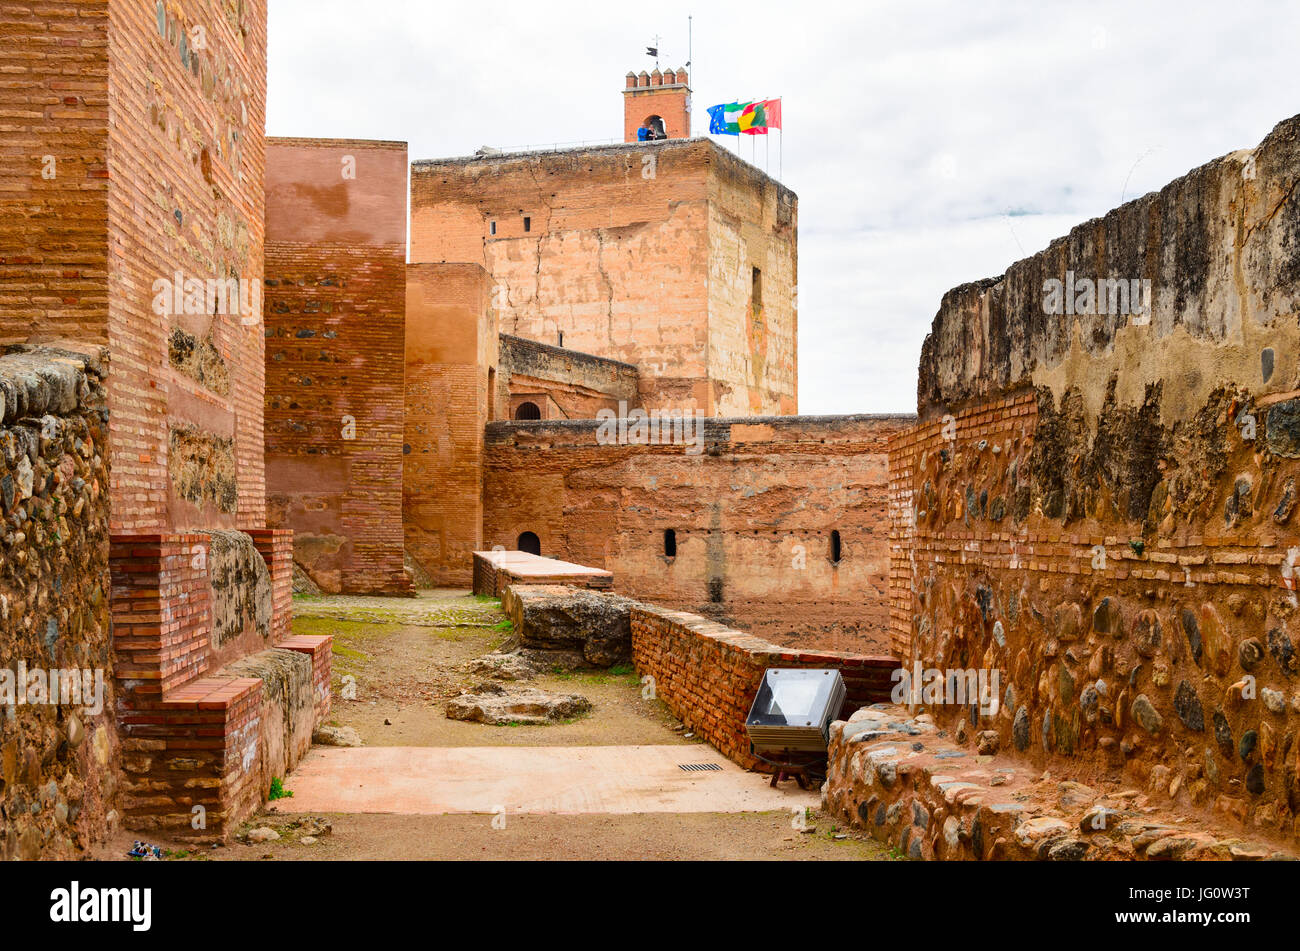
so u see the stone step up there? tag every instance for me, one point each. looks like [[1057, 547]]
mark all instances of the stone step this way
[[929, 796]]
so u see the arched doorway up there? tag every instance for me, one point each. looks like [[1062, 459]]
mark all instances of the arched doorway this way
[[530, 543], [654, 126], [528, 410]]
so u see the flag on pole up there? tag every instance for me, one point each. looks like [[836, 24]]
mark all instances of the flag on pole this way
[[751, 118]]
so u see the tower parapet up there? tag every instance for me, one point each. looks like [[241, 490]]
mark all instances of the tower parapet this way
[[658, 103]]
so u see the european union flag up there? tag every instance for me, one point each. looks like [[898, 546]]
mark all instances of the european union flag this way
[[718, 124]]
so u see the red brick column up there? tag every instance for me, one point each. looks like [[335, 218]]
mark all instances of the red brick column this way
[[320, 649], [161, 613], [276, 547]]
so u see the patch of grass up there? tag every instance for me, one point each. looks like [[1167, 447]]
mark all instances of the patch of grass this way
[[278, 791], [503, 625], [623, 674], [484, 599]]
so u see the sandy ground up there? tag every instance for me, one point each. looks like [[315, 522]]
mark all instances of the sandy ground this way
[[405, 673], [406, 658], [698, 836]]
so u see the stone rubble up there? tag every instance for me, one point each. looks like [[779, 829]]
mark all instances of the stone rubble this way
[[912, 786], [494, 704]]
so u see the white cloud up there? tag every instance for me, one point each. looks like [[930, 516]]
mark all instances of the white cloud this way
[[913, 128]]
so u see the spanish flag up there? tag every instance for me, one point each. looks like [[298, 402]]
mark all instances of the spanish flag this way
[[750, 118]]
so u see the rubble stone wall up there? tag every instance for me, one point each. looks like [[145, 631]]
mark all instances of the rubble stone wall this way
[[1101, 505], [58, 787]]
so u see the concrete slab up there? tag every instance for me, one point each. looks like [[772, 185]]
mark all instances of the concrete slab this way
[[527, 565], [530, 780]]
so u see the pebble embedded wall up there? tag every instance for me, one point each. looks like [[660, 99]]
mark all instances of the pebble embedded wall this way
[[620, 249], [335, 325], [755, 518], [58, 787], [1101, 505]]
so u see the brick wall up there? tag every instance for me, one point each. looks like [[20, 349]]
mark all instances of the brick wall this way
[[752, 515], [185, 161], [709, 674], [107, 197], [205, 725], [276, 546], [451, 346], [53, 169], [162, 613], [335, 323], [1101, 506]]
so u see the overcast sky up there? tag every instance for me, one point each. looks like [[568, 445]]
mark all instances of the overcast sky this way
[[930, 143]]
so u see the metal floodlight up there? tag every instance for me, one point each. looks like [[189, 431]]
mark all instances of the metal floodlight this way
[[794, 709]]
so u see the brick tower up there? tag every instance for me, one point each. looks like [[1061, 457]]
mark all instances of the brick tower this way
[[659, 101]]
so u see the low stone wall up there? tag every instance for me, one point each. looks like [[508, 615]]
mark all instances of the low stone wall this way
[[593, 626], [708, 674], [913, 787], [58, 791]]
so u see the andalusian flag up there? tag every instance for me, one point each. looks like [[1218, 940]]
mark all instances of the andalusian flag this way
[[751, 118]]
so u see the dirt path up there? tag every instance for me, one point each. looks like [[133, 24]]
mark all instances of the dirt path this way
[[664, 836], [406, 657]]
